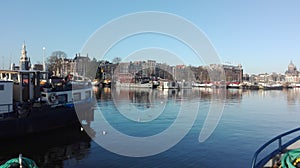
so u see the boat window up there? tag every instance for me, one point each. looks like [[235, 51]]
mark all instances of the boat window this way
[[87, 94], [14, 77], [1, 87], [62, 98], [77, 96]]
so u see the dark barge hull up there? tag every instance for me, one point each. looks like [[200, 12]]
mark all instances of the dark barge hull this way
[[43, 118]]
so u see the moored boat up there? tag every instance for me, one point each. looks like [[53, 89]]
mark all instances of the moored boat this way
[[295, 85], [27, 106], [170, 85], [267, 86], [185, 85], [233, 85], [205, 85], [134, 85], [138, 83]]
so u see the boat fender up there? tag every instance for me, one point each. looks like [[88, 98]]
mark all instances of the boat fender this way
[[296, 162], [52, 98]]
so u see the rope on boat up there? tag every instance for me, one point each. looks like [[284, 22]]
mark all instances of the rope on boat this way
[[291, 159]]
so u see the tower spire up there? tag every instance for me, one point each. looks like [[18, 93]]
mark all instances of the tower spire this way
[[24, 62]]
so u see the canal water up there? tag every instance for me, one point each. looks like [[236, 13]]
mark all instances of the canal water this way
[[166, 128]]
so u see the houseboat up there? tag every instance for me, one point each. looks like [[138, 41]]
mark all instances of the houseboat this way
[[31, 103], [204, 85], [185, 84], [169, 85], [233, 85], [271, 86], [144, 82], [295, 85]]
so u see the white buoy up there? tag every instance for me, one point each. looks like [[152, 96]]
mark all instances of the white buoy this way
[[81, 129]]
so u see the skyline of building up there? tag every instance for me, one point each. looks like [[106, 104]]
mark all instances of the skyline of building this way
[[79, 65]]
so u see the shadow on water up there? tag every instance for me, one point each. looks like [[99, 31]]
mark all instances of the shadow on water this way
[[52, 148], [49, 149]]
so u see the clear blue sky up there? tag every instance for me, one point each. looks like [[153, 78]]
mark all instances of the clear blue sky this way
[[262, 35]]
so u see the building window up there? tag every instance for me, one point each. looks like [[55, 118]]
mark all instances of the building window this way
[[1, 87]]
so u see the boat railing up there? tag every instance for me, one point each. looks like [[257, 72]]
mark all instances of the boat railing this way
[[5, 108], [281, 147]]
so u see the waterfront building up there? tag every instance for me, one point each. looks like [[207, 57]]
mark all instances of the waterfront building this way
[[150, 68], [246, 77], [233, 73], [164, 71], [214, 72], [67, 66], [201, 73], [105, 70], [263, 78], [122, 72], [81, 64], [183, 72], [77, 66], [292, 75], [292, 69]]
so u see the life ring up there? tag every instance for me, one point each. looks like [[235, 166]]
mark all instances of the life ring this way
[[52, 98]]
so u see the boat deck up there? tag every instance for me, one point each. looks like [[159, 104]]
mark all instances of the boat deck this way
[[277, 158], [285, 142]]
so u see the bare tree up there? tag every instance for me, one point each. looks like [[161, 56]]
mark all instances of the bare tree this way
[[54, 62], [116, 60]]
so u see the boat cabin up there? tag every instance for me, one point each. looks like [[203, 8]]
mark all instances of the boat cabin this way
[[6, 96], [24, 86]]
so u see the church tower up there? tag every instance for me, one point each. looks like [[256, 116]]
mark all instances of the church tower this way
[[24, 60]]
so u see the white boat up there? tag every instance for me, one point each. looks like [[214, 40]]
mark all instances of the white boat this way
[[134, 85], [185, 85], [205, 85], [233, 85], [170, 85], [296, 85]]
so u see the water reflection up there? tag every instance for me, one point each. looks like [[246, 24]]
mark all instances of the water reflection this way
[[53, 148], [145, 97], [49, 149], [293, 96], [102, 93], [66, 147]]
